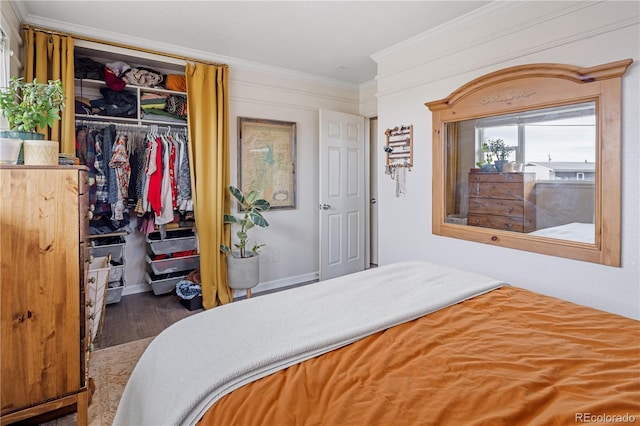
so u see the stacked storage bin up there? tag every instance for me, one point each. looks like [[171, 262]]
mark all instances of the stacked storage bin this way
[[114, 244], [170, 259]]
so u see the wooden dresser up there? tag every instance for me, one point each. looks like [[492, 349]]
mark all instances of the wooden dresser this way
[[502, 201], [43, 240]]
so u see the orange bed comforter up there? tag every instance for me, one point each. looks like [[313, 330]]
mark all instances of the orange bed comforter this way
[[508, 357]]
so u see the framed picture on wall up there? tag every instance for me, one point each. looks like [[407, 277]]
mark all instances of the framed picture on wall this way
[[267, 160]]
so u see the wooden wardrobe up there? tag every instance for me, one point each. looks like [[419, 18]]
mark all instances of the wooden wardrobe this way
[[43, 238]]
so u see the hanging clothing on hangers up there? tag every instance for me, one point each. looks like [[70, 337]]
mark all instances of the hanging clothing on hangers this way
[[120, 164], [166, 192], [184, 200]]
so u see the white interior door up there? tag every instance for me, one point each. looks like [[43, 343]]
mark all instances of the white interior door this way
[[342, 194]]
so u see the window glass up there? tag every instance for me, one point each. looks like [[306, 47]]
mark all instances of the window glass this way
[[546, 138]]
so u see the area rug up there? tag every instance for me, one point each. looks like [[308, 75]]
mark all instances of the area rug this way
[[110, 369]]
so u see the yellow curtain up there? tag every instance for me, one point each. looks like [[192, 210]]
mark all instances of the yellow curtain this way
[[50, 57], [208, 106]]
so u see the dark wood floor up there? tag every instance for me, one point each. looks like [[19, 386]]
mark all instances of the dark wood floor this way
[[142, 315], [138, 316]]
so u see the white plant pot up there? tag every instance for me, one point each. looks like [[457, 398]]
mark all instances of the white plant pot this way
[[9, 150], [41, 152], [243, 273]]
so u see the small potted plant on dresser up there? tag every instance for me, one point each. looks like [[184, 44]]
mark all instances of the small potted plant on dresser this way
[[243, 265], [27, 106], [499, 149]]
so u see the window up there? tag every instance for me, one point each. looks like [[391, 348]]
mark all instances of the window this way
[[4, 58], [556, 143]]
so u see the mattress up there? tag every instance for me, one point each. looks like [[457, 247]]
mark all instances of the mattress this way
[[508, 357], [576, 231], [409, 343]]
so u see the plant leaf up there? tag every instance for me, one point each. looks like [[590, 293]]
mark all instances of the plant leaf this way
[[237, 194], [249, 199], [262, 205], [258, 219], [230, 219]]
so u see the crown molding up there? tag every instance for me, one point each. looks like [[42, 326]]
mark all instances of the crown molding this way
[[456, 24], [109, 36], [500, 59]]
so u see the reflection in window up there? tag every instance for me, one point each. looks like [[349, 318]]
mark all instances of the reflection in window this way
[[547, 180], [554, 143]]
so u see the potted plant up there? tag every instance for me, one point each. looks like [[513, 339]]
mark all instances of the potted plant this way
[[243, 265], [29, 105], [500, 150], [486, 164]]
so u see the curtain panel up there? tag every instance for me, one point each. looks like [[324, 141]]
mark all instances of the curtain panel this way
[[208, 104], [50, 57]]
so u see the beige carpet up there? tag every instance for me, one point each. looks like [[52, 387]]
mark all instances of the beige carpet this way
[[110, 369]]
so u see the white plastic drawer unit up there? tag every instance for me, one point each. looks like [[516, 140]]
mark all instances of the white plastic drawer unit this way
[[164, 283], [104, 246], [176, 241], [174, 264], [114, 291], [116, 271]]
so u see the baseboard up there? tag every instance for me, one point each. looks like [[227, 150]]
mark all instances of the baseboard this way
[[260, 288], [135, 288], [279, 283]]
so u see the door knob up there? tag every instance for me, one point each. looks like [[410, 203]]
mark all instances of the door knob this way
[[373, 201], [324, 206]]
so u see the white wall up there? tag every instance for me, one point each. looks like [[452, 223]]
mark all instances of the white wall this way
[[503, 34], [293, 233]]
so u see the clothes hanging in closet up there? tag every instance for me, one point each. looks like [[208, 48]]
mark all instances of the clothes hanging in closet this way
[[149, 173]]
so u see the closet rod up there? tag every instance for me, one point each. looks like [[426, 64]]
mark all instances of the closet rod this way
[[122, 45], [131, 125]]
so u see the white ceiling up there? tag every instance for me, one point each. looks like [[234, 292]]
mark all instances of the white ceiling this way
[[332, 39]]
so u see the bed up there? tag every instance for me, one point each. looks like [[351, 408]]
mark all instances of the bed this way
[[403, 344], [575, 231]]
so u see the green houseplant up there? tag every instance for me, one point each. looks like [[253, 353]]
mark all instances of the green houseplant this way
[[243, 265], [499, 149], [29, 105]]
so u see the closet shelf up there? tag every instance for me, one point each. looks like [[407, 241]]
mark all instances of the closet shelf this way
[[90, 89], [125, 120], [96, 84]]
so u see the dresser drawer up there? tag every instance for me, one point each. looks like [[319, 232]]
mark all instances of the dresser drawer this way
[[506, 223], [499, 207], [512, 191], [497, 177]]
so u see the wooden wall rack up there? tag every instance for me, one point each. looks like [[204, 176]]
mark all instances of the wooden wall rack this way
[[399, 146]]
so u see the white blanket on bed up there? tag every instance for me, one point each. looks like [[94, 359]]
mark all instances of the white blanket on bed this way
[[198, 360]]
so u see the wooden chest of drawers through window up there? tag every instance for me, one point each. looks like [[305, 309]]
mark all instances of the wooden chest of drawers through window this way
[[502, 201]]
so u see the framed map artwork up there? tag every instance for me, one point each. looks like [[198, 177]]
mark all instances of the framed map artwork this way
[[267, 160]]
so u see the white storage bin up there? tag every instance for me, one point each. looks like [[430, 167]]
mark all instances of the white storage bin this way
[[164, 283], [117, 271], [175, 264], [171, 244], [114, 291], [116, 250]]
